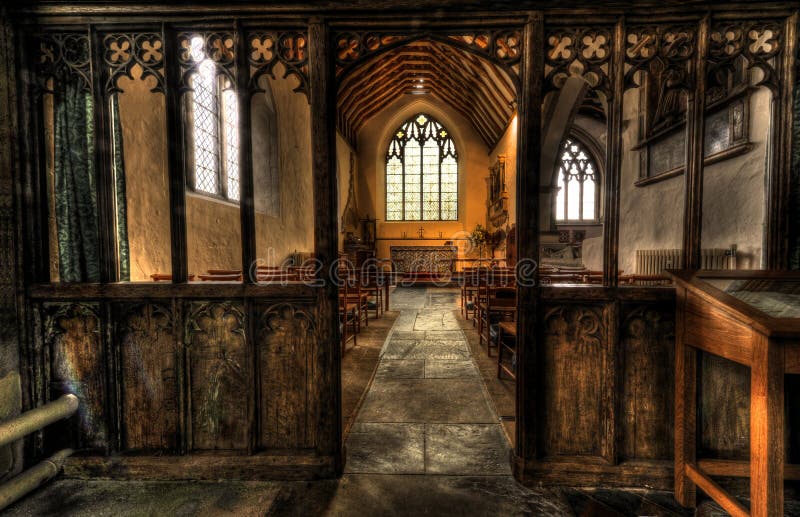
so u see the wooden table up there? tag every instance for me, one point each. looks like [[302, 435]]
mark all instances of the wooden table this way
[[749, 317]]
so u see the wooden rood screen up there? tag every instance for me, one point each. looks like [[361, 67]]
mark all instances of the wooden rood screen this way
[[239, 379]]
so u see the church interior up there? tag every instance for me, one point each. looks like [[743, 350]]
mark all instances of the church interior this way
[[400, 258]]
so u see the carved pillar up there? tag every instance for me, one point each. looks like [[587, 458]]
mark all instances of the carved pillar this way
[[528, 165], [323, 151]]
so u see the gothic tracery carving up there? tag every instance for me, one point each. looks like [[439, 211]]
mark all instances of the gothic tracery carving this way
[[123, 51]]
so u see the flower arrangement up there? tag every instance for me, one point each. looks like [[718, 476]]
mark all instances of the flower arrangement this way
[[478, 238]]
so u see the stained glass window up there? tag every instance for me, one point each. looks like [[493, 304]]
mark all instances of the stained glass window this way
[[576, 198], [214, 128], [422, 173]]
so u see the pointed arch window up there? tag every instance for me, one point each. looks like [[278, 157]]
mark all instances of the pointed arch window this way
[[422, 172], [577, 180], [214, 112]]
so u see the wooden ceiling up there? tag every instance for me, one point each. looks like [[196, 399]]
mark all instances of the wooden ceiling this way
[[474, 87]]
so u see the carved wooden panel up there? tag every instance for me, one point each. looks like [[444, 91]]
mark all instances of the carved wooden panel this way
[[724, 390], [219, 377], [285, 341], [647, 343], [574, 363], [72, 336], [149, 377]]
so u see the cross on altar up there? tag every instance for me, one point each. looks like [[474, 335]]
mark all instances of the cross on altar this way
[[421, 232]]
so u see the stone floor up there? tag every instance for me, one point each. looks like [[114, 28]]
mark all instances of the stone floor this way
[[426, 439]]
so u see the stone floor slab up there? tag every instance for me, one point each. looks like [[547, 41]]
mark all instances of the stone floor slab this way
[[436, 320], [426, 400], [450, 369], [442, 350], [401, 369], [386, 449], [466, 449]]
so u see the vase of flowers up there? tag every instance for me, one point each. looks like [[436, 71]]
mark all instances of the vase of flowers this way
[[478, 238]]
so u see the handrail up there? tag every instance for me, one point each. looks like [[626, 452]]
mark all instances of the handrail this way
[[27, 423], [33, 420]]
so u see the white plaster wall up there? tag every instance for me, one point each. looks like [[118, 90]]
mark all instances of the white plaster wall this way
[[734, 192], [651, 217]]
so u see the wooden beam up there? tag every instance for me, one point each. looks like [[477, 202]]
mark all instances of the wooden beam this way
[[247, 207], [780, 152], [614, 154], [695, 139], [103, 168], [175, 157], [716, 492]]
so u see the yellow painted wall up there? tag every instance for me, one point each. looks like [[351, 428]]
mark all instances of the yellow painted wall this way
[[473, 160], [213, 226]]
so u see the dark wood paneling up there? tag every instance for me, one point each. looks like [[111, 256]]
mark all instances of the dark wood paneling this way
[[219, 379], [574, 358], [73, 339], [724, 391], [149, 378], [285, 340], [647, 346]]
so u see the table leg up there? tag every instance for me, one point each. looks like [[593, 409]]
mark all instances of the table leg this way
[[766, 428], [685, 410], [386, 298]]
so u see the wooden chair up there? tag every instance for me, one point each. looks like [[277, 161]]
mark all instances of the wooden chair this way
[[507, 344], [356, 295], [348, 316], [500, 302], [469, 282], [372, 284]]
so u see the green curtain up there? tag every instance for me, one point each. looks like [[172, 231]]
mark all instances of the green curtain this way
[[123, 251], [75, 189]]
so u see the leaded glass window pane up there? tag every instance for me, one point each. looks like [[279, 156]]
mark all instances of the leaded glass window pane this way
[[577, 184], [215, 128], [421, 172]]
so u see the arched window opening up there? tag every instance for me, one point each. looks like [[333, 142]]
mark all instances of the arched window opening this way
[[215, 128], [577, 180], [422, 172]]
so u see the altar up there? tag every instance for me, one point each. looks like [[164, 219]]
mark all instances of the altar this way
[[422, 262]]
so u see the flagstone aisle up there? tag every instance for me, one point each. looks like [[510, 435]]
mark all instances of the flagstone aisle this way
[[427, 412]]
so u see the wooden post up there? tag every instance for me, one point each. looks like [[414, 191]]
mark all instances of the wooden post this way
[[767, 452], [175, 157], [323, 162], [614, 159], [528, 160], [685, 407], [695, 140], [103, 169], [246, 188], [780, 152]]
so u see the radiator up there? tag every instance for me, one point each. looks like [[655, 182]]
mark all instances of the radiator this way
[[654, 262]]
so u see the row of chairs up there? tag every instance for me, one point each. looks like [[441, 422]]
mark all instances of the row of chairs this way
[[360, 293], [489, 298]]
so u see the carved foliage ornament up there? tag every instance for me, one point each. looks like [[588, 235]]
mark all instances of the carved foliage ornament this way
[[61, 55], [757, 42], [665, 51], [580, 52], [124, 51], [196, 48], [580, 329], [266, 49]]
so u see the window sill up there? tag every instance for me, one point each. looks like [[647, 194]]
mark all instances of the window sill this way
[[212, 198]]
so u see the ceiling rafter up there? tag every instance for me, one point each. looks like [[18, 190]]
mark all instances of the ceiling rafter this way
[[477, 89]]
